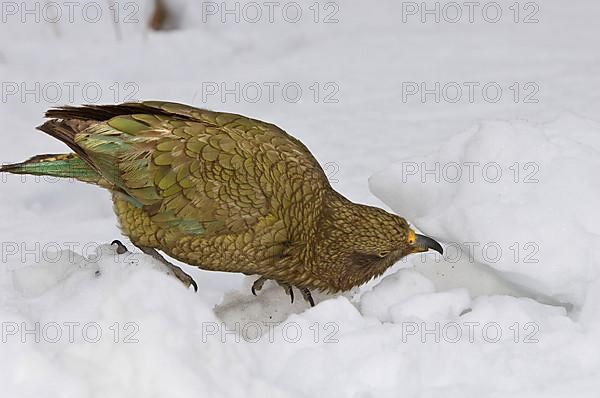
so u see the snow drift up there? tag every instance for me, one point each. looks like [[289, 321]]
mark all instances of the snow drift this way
[[516, 196]]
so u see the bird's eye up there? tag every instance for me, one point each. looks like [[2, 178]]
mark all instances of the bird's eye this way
[[412, 237], [383, 253]]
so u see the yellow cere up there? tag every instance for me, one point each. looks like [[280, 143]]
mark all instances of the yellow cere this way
[[412, 237]]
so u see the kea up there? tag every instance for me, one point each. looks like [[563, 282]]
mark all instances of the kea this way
[[224, 192]]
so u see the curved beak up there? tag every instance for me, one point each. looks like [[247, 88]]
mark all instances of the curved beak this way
[[424, 243]]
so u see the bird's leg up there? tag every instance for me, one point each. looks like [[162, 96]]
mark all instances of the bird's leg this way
[[307, 296], [178, 272], [258, 284]]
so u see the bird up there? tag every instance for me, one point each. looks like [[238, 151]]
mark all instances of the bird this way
[[224, 192]]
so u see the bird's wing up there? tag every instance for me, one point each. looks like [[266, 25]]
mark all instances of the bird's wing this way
[[193, 171]]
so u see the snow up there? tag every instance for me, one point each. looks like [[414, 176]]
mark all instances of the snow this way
[[469, 324], [519, 190], [393, 290]]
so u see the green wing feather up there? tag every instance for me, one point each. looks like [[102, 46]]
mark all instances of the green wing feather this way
[[189, 175], [193, 171]]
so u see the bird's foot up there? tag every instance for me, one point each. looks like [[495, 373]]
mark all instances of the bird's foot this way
[[307, 296], [186, 279], [259, 283], [289, 290], [173, 269], [120, 247]]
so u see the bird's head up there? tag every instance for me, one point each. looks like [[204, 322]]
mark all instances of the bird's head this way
[[364, 241]]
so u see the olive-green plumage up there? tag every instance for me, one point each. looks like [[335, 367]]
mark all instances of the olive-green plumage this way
[[223, 192]]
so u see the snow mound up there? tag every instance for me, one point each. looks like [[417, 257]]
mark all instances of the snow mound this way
[[139, 332], [392, 290], [516, 196], [433, 307]]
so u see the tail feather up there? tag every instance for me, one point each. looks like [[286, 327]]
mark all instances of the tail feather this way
[[67, 124], [65, 131], [67, 165], [103, 112]]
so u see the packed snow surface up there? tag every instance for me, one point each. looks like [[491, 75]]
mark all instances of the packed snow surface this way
[[514, 196], [505, 179]]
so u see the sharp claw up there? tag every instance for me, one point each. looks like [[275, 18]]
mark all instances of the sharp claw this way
[[307, 296], [289, 290], [186, 279], [257, 285], [121, 248]]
